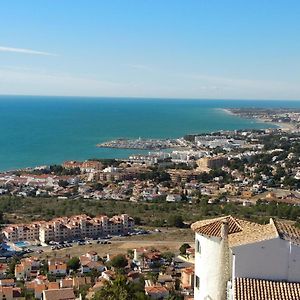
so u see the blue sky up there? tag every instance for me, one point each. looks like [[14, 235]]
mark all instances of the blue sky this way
[[151, 48]]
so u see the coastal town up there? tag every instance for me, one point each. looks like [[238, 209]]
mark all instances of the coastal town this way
[[173, 224], [144, 144]]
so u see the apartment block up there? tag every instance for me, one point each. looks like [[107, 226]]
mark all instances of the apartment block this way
[[66, 228]]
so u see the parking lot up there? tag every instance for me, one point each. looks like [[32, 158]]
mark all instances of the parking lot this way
[[54, 246], [164, 240]]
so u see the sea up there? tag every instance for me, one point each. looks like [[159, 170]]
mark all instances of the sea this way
[[39, 130]]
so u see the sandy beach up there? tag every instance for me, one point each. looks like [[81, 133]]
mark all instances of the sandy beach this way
[[227, 111], [282, 126]]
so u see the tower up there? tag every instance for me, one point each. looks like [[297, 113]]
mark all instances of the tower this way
[[212, 259]]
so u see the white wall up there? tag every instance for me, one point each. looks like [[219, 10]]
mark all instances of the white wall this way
[[294, 263], [273, 259], [208, 269]]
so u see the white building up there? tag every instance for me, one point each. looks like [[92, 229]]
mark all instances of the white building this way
[[211, 141], [237, 259], [173, 198], [66, 228]]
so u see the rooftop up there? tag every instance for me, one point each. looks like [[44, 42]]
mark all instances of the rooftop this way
[[242, 232], [156, 289], [249, 289], [59, 294]]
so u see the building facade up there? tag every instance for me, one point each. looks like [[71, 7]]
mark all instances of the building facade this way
[[215, 162], [66, 228], [230, 251]]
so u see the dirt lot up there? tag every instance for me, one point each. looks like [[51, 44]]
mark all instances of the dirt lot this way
[[167, 240]]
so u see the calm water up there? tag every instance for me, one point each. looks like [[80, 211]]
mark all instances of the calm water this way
[[46, 130]]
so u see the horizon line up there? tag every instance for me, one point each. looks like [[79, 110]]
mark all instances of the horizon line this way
[[147, 98]]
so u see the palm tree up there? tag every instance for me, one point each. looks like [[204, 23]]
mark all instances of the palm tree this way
[[116, 290], [120, 289]]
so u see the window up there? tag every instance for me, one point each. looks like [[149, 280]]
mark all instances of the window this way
[[197, 284], [198, 247]]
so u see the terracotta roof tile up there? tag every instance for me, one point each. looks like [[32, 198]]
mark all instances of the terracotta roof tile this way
[[244, 232], [156, 289], [249, 289], [213, 227], [189, 270], [66, 282], [62, 294], [53, 285], [6, 281], [288, 232], [39, 288]]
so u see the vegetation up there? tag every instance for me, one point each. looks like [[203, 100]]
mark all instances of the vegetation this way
[[155, 174], [183, 248], [106, 162], [208, 177], [57, 170], [119, 262], [168, 256], [73, 263], [121, 289], [175, 221], [158, 214]]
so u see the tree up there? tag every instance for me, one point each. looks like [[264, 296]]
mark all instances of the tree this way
[[11, 267], [73, 263], [1, 219], [168, 256], [153, 276], [143, 257], [130, 253], [121, 289], [175, 221], [44, 267], [83, 290], [98, 186], [183, 248], [63, 183], [119, 261], [137, 220], [174, 296]]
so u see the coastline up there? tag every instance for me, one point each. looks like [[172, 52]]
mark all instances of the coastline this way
[[279, 125], [227, 111], [70, 130], [283, 126]]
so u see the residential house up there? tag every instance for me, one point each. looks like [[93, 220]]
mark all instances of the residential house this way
[[187, 278], [80, 281], [66, 283], [57, 267], [157, 292], [3, 270], [173, 198], [234, 256], [7, 282], [10, 293], [27, 268], [59, 294]]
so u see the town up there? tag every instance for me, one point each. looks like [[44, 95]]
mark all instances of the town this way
[[172, 224], [144, 144], [287, 117]]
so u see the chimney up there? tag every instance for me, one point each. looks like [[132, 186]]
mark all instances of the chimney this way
[[224, 229], [135, 256], [225, 267]]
